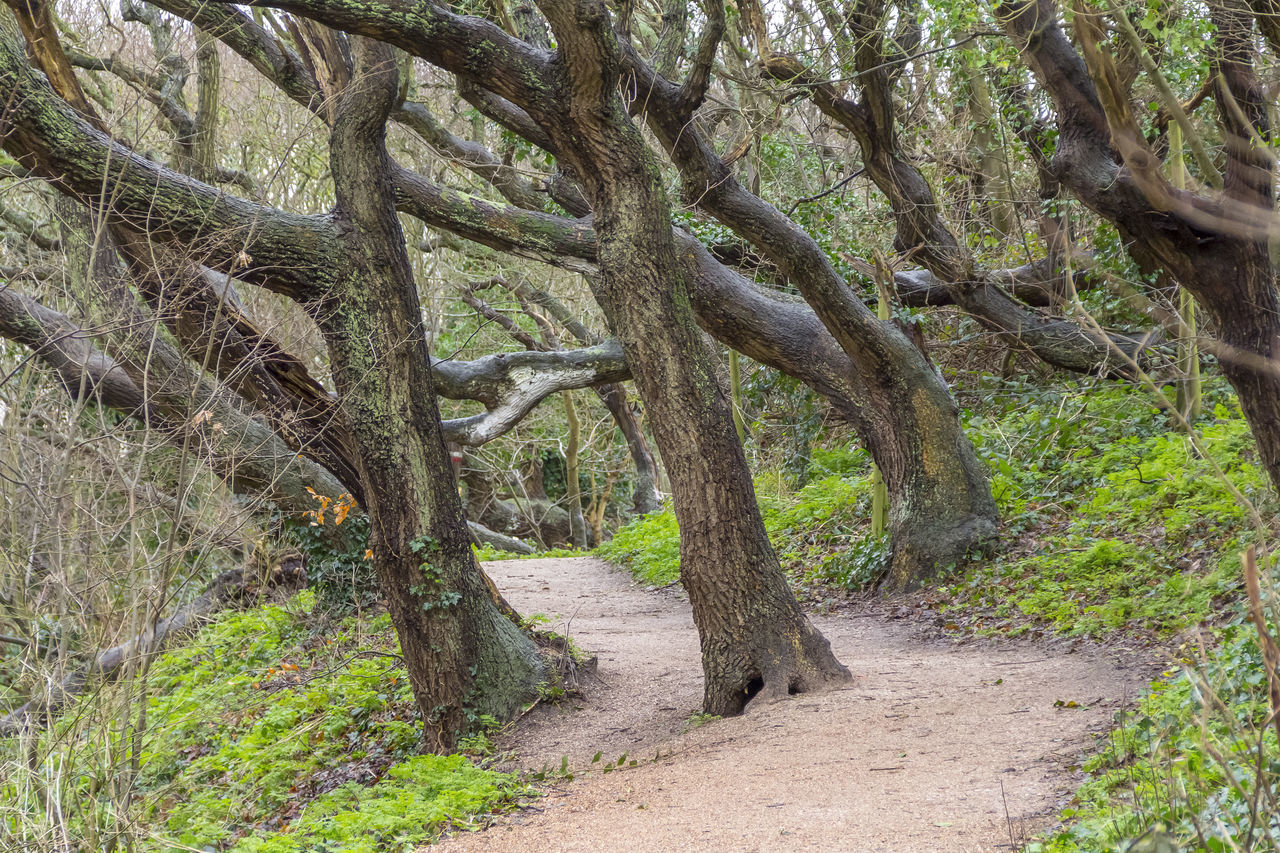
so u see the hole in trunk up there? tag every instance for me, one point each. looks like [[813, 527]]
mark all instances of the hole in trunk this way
[[792, 690], [754, 686]]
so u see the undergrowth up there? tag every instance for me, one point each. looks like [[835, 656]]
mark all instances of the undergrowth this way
[[817, 531], [269, 733], [1112, 521], [1194, 767], [488, 554]]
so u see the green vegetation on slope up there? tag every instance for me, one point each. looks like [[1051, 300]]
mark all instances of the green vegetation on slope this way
[[1195, 766], [1114, 522], [819, 528], [269, 733]]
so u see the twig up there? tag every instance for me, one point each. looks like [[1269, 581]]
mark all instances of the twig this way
[[825, 192], [1270, 651]]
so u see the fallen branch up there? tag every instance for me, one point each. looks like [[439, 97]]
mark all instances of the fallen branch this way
[[484, 536]]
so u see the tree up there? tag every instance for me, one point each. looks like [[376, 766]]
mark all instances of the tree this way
[[350, 272], [1214, 244], [463, 654]]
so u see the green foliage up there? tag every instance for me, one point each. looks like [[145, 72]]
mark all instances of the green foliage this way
[[342, 575], [415, 800], [787, 439], [649, 547], [264, 734], [859, 567], [489, 554], [697, 720], [812, 527], [1121, 525], [1195, 762]]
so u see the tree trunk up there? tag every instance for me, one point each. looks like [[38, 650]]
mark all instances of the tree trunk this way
[[572, 489], [644, 494], [753, 634], [942, 510], [464, 657]]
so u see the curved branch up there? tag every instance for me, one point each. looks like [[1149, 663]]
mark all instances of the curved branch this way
[[84, 370], [511, 384], [465, 45], [285, 252], [287, 70], [921, 230], [473, 156], [156, 89]]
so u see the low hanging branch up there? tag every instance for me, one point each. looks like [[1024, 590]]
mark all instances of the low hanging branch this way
[[533, 302], [1214, 244]]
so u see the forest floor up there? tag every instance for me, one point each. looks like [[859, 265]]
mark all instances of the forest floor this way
[[936, 745]]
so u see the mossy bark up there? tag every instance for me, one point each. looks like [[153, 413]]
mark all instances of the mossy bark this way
[[753, 634], [462, 654]]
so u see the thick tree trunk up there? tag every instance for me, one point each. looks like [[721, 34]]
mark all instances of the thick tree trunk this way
[[754, 636], [463, 655], [1249, 357]]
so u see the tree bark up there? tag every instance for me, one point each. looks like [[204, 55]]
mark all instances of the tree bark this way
[[572, 488], [942, 506], [464, 656], [753, 634]]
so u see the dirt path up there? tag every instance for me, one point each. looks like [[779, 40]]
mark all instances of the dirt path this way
[[926, 749]]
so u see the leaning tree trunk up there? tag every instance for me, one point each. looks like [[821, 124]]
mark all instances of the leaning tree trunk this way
[[1215, 245], [942, 511], [462, 654], [572, 488], [644, 496], [754, 636]]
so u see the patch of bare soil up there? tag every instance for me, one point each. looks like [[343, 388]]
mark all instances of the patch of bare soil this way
[[933, 747]]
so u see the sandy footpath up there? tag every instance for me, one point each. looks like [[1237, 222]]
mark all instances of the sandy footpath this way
[[933, 747]]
